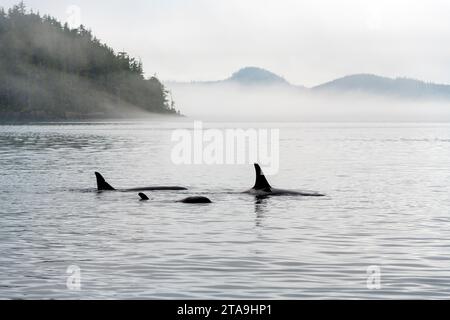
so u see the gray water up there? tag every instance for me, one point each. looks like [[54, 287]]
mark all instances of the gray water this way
[[387, 204]]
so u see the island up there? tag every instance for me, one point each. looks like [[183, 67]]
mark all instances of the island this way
[[49, 71]]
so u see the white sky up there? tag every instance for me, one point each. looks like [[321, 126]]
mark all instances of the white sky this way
[[307, 42]]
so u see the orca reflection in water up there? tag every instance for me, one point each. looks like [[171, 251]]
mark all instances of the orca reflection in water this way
[[187, 200], [263, 188], [102, 185]]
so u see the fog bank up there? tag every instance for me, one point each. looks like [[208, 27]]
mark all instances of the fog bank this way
[[234, 102]]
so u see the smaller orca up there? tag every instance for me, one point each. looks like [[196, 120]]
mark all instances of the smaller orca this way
[[187, 200], [263, 188], [102, 185], [143, 197]]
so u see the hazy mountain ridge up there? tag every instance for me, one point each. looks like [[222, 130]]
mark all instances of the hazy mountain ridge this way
[[256, 76], [246, 76], [358, 83], [362, 97], [384, 86]]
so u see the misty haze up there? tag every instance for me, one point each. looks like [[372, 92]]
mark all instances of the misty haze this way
[[254, 94]]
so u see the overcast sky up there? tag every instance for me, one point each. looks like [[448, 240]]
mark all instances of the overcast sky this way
[[307, 42]]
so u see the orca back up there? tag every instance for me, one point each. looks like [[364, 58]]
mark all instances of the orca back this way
[[196, 200]]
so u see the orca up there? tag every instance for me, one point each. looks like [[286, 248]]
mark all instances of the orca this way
[[263, 188], [102, 185], [197, 199]]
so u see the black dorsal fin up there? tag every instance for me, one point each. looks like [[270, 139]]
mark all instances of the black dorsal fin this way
[[261, 181], [102, 184], [143, 196]]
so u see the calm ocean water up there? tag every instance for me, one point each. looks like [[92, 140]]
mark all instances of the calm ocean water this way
[[387, 205]]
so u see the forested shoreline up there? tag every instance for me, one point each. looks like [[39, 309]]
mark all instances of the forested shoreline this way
[[49, 71]]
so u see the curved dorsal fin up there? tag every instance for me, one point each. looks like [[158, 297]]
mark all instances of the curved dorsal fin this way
[[101, 183], [261, 181], [143, 196]]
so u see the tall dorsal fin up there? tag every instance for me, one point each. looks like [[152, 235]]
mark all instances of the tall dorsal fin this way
[[261, 182], [102, 184]]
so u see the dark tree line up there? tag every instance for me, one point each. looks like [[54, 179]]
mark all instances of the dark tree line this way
[[50, 71]]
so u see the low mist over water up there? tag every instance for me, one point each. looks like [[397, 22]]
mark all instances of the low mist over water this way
[[273, 103], [255, 94]]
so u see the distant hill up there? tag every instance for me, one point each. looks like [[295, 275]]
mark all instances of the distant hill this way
[[49, 71], [247, 76], [383, 86], [256, 76], [370, 84]]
